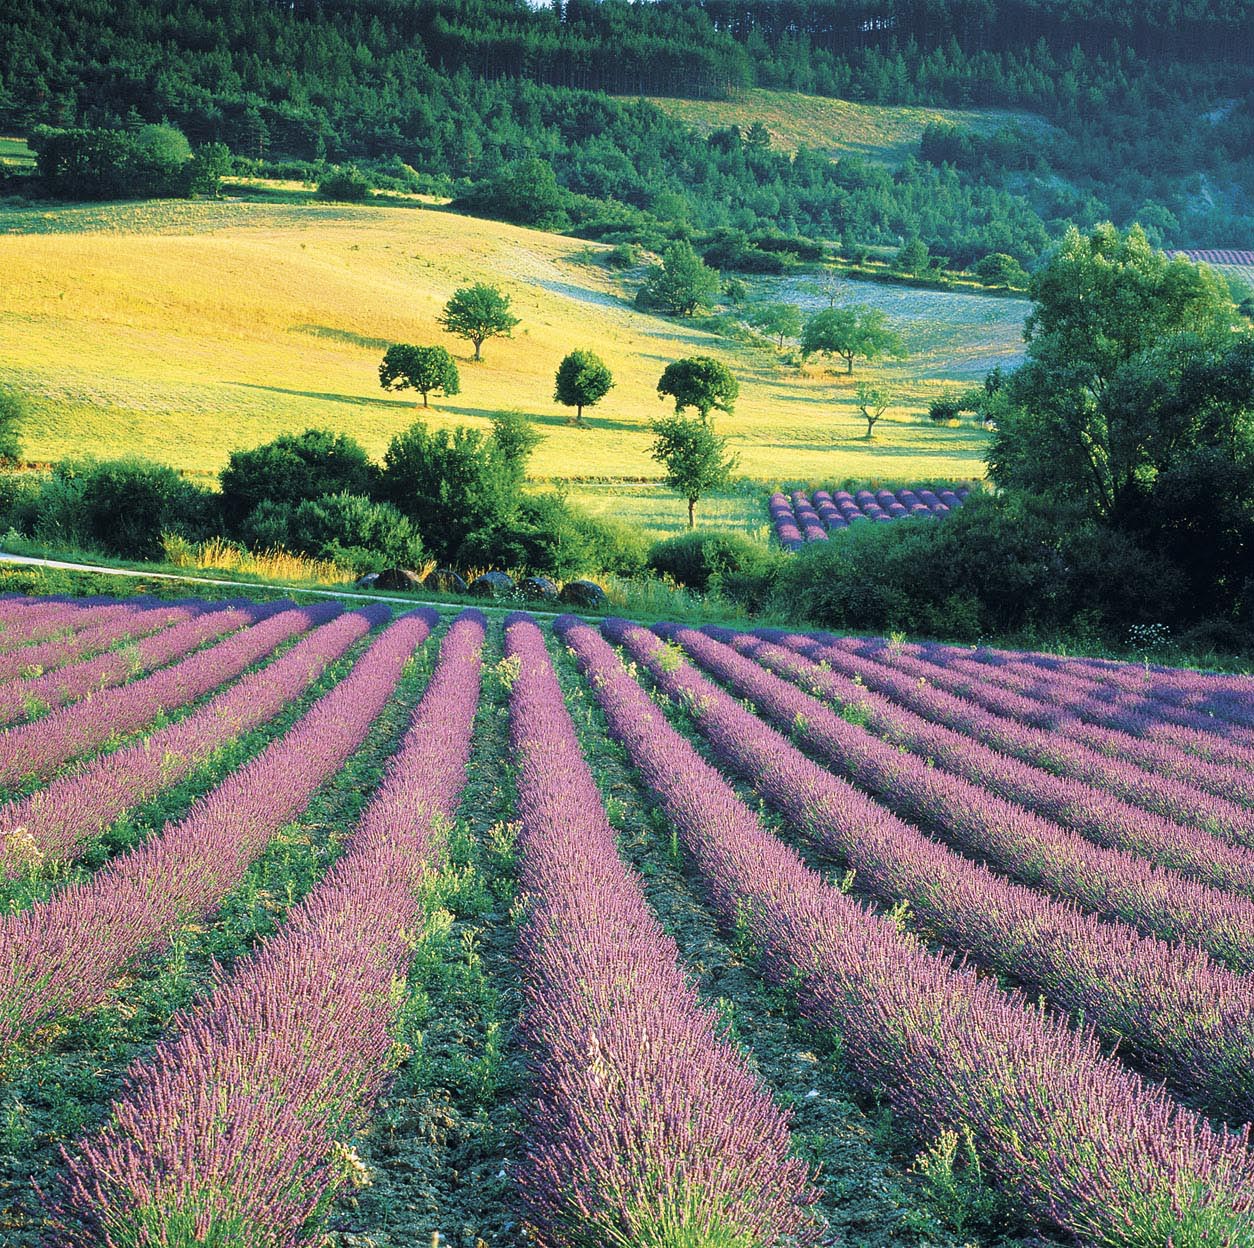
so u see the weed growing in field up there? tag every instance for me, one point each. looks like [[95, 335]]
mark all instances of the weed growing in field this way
[[960, 1195]]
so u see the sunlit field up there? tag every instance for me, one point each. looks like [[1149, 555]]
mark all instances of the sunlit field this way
[[182, 331], [838, 128]]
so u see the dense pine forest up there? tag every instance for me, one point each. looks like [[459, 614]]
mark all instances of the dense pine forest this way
[[1151, 106]]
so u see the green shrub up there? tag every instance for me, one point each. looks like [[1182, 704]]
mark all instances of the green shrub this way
[[355, 532], [706, 559], [19, 501], [12, 414], [344, 184], [291, 469], [120, 507], [1000, 566]]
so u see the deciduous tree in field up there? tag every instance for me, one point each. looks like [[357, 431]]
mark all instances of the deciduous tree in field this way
[[682, 282], [1132, 364], [855, 332], [694, 456], [582, 381], [423, 369], [477, 313], [872, 402], [779, 320], [699, 381]]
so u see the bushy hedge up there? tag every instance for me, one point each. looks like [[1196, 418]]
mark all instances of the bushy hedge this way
[[547, 536], [351, 530], [291, 469], [742, 569], [999, 566], [119, 507]]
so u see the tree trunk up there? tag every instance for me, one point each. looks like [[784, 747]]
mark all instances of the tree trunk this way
[[579, 414], [692, 513], [849, 364], [478, 344], [424, 399]]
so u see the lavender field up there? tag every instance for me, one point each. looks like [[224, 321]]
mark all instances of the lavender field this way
[[798, 518], [345, 928]]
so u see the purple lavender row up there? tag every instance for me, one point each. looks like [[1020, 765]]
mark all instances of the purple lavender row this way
[[1180, 697], [1166, 681], [56, 822], [1177, 758], [53, 619], [1158, 720], [1171, 824], [20, 699], [807, 518], [1111, 883], [62, 957], [1069, 683], [38, 748], [235, 1119], [642, 1120], [1163, 680], [785, 522], [1073, 1136], [1179, 1013], [48, 655], [847, 676]]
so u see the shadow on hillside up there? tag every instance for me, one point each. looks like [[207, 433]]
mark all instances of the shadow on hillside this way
[[341, 335], [356, 400]]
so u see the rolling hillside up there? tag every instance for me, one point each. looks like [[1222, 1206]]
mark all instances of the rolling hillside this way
[[181, 331], [878, 132]]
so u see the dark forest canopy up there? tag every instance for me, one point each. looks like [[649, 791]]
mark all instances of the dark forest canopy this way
[[1153, 103]]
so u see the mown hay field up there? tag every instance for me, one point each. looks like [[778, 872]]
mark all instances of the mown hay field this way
[[183, 330], [882, 133]]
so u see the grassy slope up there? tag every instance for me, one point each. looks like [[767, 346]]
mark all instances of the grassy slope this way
[[837, 127], [183, 330]]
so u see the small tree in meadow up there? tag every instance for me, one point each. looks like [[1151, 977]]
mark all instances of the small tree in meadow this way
[[419, 368], [873, 402], [12, 413], [582, 381], [694, 456], [477, 313], [779, 320], [699, 381]]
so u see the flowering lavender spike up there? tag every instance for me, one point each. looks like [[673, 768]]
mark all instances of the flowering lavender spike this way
[[243, 1115]]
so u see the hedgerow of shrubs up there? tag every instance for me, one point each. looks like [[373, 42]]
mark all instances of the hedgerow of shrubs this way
[[1005, 565]]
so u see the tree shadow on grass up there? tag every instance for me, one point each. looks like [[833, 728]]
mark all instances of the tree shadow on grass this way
[[356, 400], [342, 335]]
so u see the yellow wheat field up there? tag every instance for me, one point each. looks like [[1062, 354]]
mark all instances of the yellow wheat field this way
[[182, 331]]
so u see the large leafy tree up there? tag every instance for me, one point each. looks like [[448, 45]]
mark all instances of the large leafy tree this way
[[854, 332], [694, 456], [682, 283], [477, 313], [449, 482], [423, 369], [1131, 363], [582, 381], [699, 381], [456, 482]]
